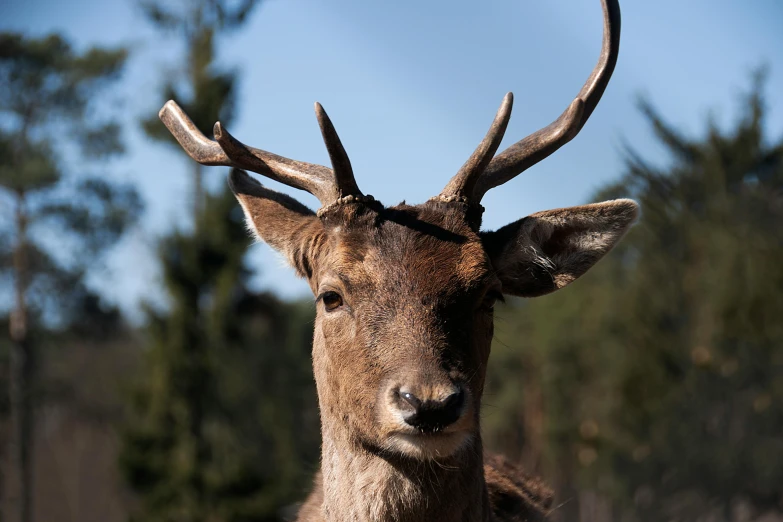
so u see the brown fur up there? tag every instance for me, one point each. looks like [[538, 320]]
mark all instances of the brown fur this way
[[513, 495], [417, 286]]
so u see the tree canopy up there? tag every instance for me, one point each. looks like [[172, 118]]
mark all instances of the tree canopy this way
[[56, 218], [657, 379]]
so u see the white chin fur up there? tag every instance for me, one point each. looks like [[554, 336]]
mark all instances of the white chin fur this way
[[428, 446]]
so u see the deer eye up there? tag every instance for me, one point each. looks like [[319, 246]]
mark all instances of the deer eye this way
[[332, 301]]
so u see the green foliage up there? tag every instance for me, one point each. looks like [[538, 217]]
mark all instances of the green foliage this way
[[49, 90], [659, 376], [55, 225], [204, 91], [218, 14], [207, 96], [48, 104], [225, 415]]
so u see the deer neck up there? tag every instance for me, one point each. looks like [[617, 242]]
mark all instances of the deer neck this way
[[361, 485]]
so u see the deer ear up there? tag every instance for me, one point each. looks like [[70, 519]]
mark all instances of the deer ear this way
[[279, 220], [548, 250]]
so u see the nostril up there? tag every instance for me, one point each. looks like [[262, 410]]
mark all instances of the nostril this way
[[433, 415], [411, 399], [454, 401]]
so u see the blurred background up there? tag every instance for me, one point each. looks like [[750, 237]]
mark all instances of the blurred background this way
[[155, 366]]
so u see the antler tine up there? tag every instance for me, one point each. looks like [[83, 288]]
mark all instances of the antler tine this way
[[527, 152], [198, 146], [341, 165], [315, 179], [464, 181], [318, 180]]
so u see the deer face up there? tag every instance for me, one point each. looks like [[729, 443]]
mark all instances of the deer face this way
[[405, 298], [403, 328], [405, 294]]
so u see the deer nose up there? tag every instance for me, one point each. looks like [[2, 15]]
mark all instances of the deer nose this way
[[431, 415]]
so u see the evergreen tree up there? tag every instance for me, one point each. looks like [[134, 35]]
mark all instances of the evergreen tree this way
[[55, 226], [662, 370], [226, 414], [204, 91]]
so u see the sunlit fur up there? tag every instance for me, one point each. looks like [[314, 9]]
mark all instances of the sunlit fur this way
[[416, 286]]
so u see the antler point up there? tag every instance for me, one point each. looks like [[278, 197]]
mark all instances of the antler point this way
[[169, 106]]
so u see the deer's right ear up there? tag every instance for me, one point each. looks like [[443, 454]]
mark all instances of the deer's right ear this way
[[279, 220]]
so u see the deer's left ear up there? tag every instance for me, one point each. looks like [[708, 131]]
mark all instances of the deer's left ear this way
[[548, 250]]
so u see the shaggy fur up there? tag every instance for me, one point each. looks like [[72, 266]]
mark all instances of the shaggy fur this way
[[416, 286]]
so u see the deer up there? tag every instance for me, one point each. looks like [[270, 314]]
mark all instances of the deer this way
[[405, 297]]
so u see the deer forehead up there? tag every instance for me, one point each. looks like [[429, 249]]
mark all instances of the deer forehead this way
[[428, 256]]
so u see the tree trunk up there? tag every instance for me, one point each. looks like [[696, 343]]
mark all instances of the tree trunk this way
[[198, 192], [21, 375]]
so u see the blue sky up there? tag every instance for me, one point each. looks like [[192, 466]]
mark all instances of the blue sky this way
[[412, 86]]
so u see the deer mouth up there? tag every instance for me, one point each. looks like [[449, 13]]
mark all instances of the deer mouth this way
[[429, 445], [426, 422]]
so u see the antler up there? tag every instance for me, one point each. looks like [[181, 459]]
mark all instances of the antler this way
[[481, 174], [464, 181], [326, 184]]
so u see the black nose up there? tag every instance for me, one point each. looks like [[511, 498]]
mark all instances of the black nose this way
[[431, 416]]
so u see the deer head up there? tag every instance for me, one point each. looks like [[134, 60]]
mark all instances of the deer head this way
[[405, 294]]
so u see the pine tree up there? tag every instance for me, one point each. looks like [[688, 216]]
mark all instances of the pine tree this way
[[203, 90], [661, 371], [48, 103], [225, 415]]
